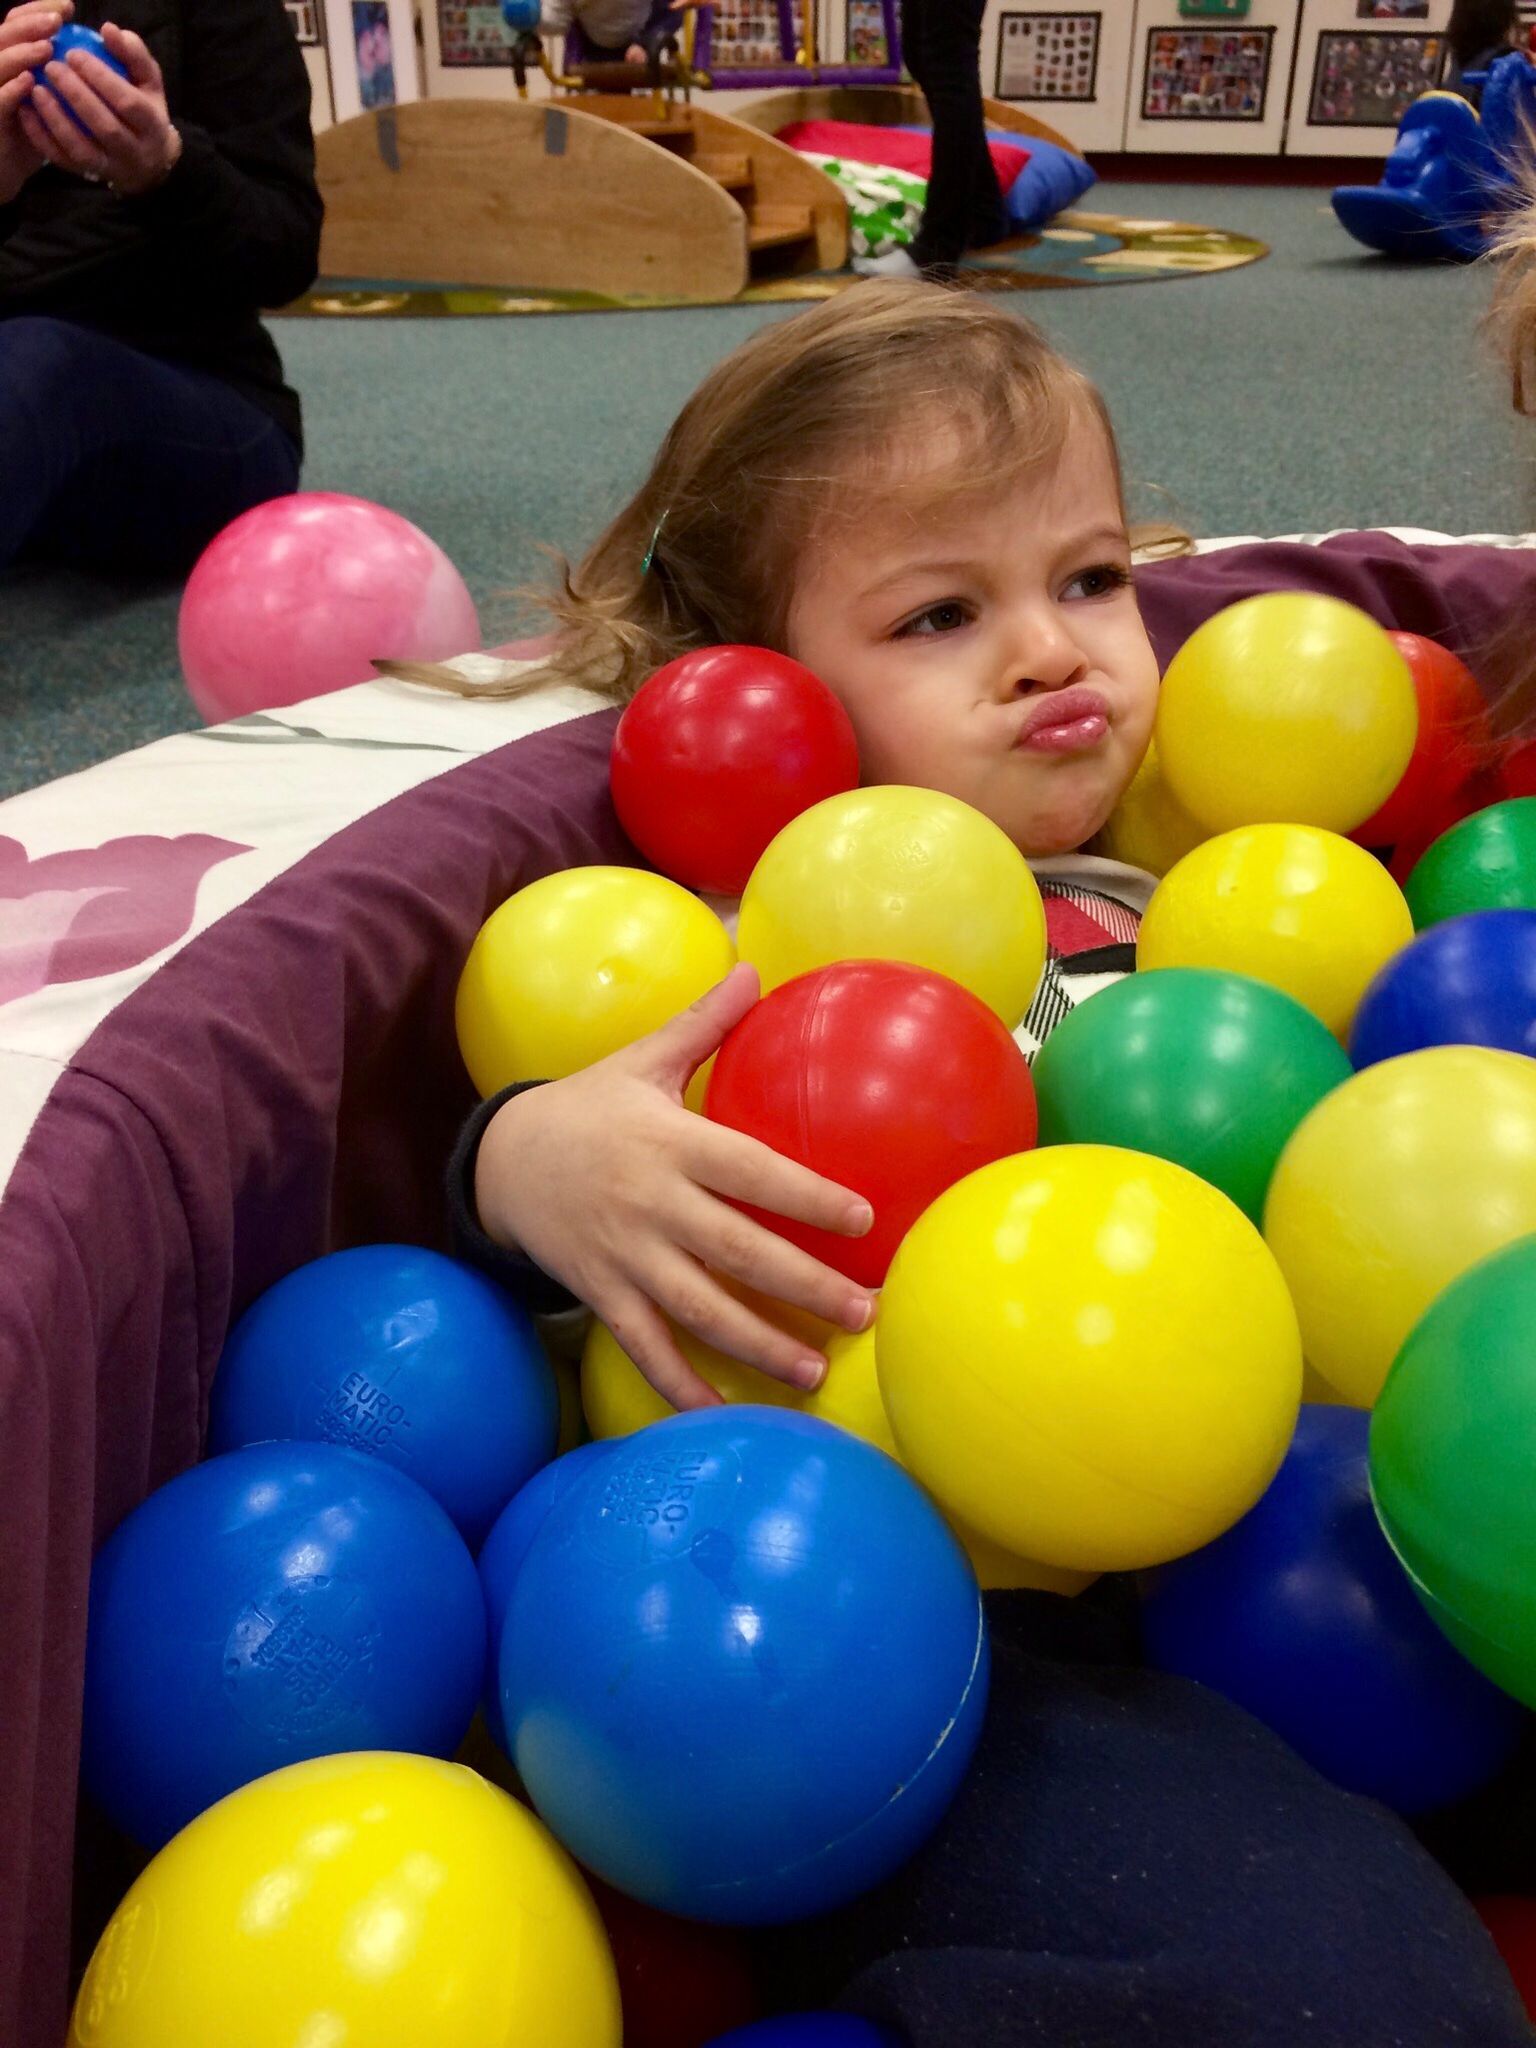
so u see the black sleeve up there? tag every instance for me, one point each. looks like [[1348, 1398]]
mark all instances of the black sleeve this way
[[242, 203], [524, 1281]]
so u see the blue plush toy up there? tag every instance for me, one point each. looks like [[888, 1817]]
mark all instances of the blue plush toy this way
[[1450, 170]]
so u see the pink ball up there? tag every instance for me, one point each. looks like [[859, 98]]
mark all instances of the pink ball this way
[[303, 594]]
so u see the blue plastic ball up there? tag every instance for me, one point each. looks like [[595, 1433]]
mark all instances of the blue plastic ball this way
[[406, 1355], [1301, 1614], [521, 16], [286, 1601], [809, 2030], [73, 37], [501, 1558], [744, 1666], [1468, 981]]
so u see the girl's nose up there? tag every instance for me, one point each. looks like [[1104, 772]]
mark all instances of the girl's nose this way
[[1045, 656]]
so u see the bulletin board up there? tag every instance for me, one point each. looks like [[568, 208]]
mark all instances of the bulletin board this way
[[1210, 85], [1359, 65], [1069, 66]]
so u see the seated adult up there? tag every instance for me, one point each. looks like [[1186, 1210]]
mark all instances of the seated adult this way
[[142, 402], [1478, 33]]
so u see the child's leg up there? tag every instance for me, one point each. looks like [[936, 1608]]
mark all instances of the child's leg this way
[[1132, 1859]]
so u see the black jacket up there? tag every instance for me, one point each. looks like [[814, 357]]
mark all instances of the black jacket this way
[[181, 273]]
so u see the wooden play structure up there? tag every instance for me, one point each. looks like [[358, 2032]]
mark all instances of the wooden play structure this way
[[616, 193], [882, 106]]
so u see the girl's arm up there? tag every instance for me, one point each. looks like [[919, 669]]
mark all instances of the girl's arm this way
[[615, 1190]]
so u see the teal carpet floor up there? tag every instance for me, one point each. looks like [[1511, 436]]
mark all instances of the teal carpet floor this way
[[1321, 387]]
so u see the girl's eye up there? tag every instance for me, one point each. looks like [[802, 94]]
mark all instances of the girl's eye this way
[[939, 618], [1102, 580]]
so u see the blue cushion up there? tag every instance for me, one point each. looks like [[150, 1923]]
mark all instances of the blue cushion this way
[[1052, 180]]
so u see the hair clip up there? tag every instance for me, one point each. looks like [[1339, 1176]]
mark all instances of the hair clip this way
[[650, 553]]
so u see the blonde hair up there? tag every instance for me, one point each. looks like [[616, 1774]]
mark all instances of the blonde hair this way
[[796, 433], [1505, 663]]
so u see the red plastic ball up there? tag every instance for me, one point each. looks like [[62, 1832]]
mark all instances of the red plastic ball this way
[[1512, 1923], [1452, 744], [889, 1079], [681, 1985], [717, 752]]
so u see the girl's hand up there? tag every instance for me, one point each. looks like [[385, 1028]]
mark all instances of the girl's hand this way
[[131, 143], [25, 34], [612, 1186]]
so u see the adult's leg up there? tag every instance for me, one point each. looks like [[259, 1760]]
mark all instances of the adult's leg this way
[[964, 202], [1132, 1859], [114, 459]]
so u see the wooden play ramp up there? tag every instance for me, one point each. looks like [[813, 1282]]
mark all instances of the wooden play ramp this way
[[595, 192], [882, 106]]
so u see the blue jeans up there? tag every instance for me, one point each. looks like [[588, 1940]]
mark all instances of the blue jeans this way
[[111, 459]]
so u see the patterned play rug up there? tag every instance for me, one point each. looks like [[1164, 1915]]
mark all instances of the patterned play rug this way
[[1076, 249]]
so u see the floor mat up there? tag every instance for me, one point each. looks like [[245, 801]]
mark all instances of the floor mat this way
[[1077, 249]]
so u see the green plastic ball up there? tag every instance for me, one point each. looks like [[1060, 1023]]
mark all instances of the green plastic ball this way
[[1453, 1448], [1213, 1071], [1487, 862]]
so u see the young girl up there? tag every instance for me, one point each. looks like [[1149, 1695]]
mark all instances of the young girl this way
[[908, 490]]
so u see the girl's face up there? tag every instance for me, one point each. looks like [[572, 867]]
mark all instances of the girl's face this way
[[995, 654]]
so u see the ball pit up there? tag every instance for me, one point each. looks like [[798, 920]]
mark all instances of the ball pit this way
[[1304, 910], [1452, 742], [1288, 708], [406, 1356], [717, 752], [1149, 828], [618, 1399], [1302, 1615], [1213, 1071], [1452, 1441], [501, 1558], [1090, 1356], [579, 965], [892, 873], [680, 1983], [1468, 981], [1485, 862], [283, 1601], [884, 1078], [824, 1733], [381, 1898], [1396, 1183]]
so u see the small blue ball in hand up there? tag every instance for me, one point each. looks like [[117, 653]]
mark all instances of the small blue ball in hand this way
[[521, 16], [73, 37]]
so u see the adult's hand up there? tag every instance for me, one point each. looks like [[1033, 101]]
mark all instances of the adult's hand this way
[[123, 135], [25, 34]]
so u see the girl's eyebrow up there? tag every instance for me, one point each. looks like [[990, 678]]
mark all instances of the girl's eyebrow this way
[[918, 565], [1104, 533]]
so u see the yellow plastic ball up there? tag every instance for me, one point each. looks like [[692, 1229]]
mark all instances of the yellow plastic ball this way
[[893, 873], [619, 1399], [578, 965], [1306, 911], [1090, 1356], [373, 1899], [1149, 828], [1389, 1189], [1289, 709]]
